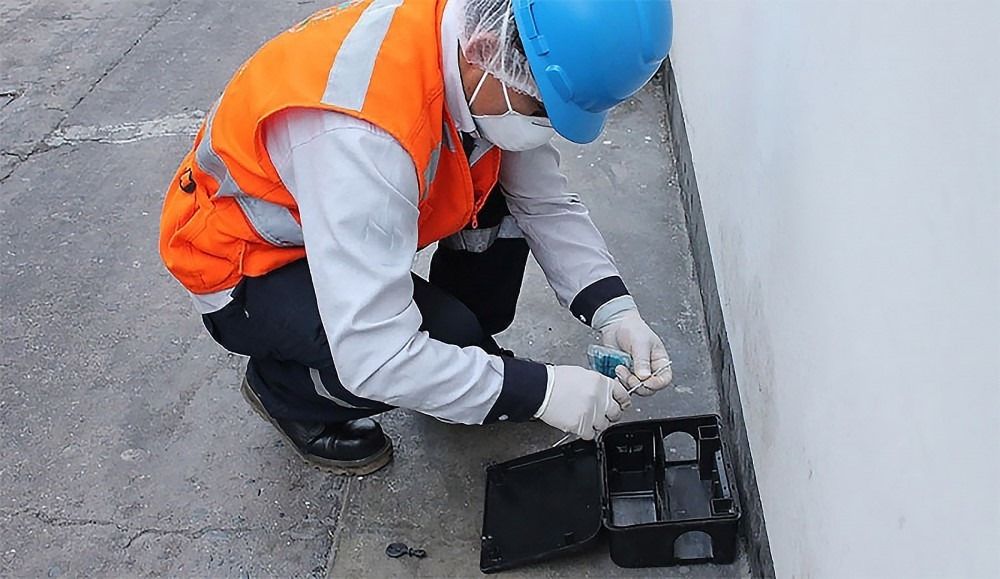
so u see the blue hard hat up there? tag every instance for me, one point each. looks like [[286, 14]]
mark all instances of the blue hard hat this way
[[589, 55]]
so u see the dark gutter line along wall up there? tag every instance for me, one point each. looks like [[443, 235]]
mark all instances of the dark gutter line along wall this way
[[753, 528]]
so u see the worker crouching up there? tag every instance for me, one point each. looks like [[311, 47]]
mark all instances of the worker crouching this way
[[370, 131]]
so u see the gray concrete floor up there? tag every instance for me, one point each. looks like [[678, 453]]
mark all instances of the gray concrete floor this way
[[126, 448]]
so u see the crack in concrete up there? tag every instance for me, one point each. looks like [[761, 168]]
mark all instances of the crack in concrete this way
[[41, 147], [20, 158], [69, 522], [181, 124], [58, 521], [187, 533], [68, 18], [8, 96], [156, 21], [12, 514]]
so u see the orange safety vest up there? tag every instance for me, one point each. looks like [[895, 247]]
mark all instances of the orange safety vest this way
[[227, 215]]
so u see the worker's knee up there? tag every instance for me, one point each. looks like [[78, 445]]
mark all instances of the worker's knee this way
[[498, 319], [457, 325]]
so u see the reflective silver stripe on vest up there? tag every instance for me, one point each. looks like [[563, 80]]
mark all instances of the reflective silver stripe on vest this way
[[446, 131], [274, 223], [211, 163], [351, 73], [347, 87], [479, 240], [482, 147], [322, 391], [431, 171]]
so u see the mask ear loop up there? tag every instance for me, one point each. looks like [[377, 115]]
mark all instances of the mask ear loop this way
[[479, 86], [506, 97]]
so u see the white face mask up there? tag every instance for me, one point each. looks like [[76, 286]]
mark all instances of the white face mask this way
[[512, 131]]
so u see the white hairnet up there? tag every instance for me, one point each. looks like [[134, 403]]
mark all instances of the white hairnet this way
[[489, 41]]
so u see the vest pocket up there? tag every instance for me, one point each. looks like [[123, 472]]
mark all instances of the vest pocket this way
[[202, 256]]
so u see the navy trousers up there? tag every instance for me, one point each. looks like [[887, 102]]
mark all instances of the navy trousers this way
[[274, 320]]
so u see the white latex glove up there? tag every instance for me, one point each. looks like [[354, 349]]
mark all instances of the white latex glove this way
[[581, 402], [627, 332]]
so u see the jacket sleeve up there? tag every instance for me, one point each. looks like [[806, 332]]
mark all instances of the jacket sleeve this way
[[562, 237], [356, 189]]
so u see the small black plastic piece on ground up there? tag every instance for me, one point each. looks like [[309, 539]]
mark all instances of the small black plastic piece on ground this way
[[397, 550]]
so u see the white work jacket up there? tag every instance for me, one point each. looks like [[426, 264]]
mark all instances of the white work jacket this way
[[342, 170]]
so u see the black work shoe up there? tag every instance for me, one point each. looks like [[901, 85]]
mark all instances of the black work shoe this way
[[355, 447]]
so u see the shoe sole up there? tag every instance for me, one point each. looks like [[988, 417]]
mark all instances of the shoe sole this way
[[358, 467]]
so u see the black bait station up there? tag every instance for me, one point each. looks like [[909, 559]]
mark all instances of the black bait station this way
[[662, 490]]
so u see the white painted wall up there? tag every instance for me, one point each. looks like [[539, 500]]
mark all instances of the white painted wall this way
[[847, 157]]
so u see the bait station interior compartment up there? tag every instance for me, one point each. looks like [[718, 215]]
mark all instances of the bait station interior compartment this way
[[661, 490]]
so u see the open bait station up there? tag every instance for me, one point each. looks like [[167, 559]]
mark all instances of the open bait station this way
[[662, 490]]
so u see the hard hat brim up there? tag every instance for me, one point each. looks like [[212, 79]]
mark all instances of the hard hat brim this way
[[573, 123], [568, 119]]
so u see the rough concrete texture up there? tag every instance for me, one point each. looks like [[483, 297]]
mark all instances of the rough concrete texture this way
[[127, 450]]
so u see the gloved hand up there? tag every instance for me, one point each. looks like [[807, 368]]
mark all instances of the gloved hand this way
[[627, 332], [581, 402]]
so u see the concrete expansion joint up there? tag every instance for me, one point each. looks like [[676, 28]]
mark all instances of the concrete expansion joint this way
[[335, 534]]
